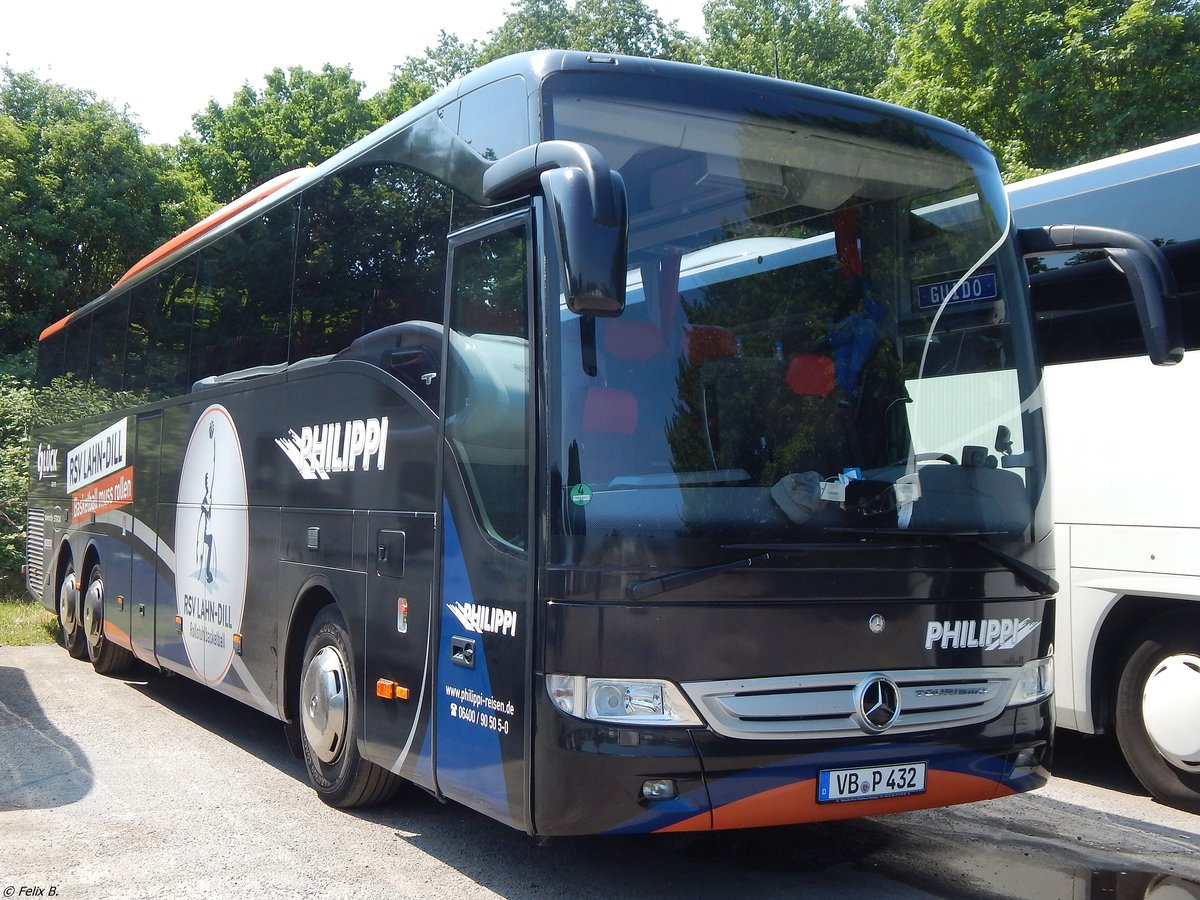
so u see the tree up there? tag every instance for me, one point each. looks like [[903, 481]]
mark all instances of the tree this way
[[81, 199], [1051, 83], [531, 25], [884, 21], [420, 77], [812, 41], [628, 27], [300, 118]]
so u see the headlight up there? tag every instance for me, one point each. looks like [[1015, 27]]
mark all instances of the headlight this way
[[621, 701], [1036, 682]]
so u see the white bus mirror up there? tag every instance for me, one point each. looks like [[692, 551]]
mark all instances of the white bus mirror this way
[[1146, 270]]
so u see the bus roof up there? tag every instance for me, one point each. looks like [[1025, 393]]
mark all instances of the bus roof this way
[[1104, 173]]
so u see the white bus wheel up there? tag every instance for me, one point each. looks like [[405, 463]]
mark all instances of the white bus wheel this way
[[1158, 708]]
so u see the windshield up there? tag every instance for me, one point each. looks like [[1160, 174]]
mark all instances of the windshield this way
[[820, 332]]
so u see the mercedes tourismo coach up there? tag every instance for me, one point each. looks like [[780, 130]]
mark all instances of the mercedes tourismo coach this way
[[605, 444]]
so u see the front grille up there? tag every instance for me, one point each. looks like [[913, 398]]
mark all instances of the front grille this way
[[35, 551], [820, 706]]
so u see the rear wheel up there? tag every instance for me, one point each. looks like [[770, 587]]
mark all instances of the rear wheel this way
[[328, 708], [1158, 708], [107, 658], [69, 618]]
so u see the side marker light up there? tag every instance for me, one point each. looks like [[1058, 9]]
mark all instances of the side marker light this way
[[389, 690]]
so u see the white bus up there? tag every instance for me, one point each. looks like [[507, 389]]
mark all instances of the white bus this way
[[1126, 494]]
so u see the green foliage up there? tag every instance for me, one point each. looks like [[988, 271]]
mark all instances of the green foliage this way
[[532, 25], [884, 21], [420, 77], [81, 199], [812, 41], [21, 365], [1051, 83], [628, 27], [299, 119], [18, 406]]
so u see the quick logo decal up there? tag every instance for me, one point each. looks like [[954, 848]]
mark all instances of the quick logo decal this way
[[485, 619], [47, 461], [984, 634], [318, 451]]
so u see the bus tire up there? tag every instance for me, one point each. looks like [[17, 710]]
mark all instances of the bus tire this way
[[328, 707], [69, 620], [1158, 708], [107, 658]]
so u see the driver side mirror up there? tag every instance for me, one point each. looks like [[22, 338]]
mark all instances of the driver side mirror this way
[[588, 214], [1146, 270]]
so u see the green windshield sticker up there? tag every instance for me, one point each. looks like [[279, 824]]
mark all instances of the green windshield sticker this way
[[581, 494]]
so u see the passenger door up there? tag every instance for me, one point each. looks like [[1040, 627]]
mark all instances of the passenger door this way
[[486, 609]]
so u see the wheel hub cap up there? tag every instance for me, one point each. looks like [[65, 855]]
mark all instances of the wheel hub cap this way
[[68, 600], [1171, 710], [324, 701], [93, 612]]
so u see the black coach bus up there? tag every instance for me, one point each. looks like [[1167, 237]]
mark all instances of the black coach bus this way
[[606, 444]]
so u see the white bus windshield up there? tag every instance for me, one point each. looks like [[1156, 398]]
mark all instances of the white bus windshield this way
[[821, 329]]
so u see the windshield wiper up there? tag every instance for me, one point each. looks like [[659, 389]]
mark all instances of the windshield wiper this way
[[1032, 578], [648, 587]]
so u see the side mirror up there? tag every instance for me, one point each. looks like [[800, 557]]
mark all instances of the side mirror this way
[[589, 216], [1145, 268]]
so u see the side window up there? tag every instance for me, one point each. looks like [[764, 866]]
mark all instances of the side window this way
[[372, 253], [244, 296], [52, 353], [494, 119], [106, 354], [488, 375], [160, 331]]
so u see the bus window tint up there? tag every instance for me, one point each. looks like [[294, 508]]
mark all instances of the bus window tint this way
[[244, 296], [492, 121], [789, 319], [106, 356], [160, 332], [52, 357], [371, 253], [488, 374]]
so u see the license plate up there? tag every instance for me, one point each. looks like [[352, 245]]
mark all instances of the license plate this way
[[870, 782]]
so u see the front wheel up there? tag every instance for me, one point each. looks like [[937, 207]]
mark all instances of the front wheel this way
[[1158, 708], [328, 708]]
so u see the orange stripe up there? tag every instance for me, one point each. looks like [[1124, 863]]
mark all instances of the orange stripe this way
[[117, 635], [56, 327], [795, 803], [208, 224], [224, 214]]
